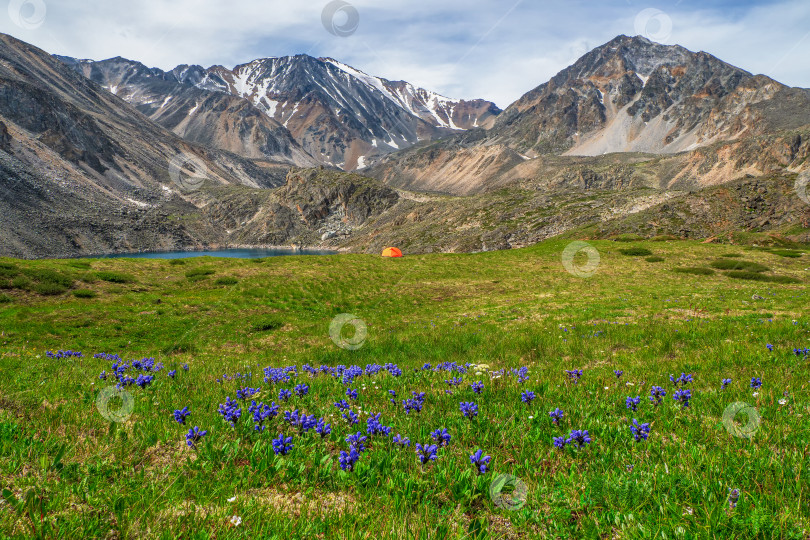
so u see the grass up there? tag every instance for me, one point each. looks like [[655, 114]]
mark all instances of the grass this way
[[267, 326], [226, 281], [756, 276], [635, 251], [115, 277], [49, 289], [695, 270], [201, 272], [84, 475], [786, 253], [654, 259], [739, 265], [663, 238], [628, 237]]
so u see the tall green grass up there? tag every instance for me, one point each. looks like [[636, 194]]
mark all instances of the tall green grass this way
[[76, 474]]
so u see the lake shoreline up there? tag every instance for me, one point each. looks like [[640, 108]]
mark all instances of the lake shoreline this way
[[210, 251]]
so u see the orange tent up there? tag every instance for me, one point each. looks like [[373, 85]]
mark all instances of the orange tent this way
[[391, 252]]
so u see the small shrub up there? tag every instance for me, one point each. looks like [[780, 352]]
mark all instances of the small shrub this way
[[654, 259], [200, 272], [226, 281], [260, 260], [5, 284], [732, 255], [177, 262], [635, 251], [179, 348], [115, 277], [267, 326], [8, 270], [50, 276], [21, 282], [663, 238], [787, 253], [695, 270], [739, 265], [756, 276], [47, 288], [81, 265], [628, 237], [4, 299], [84, 293]]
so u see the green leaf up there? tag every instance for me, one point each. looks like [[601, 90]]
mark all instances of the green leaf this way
[[11, 500], [58, 458]]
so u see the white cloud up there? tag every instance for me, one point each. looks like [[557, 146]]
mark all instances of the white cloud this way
[[472, 48]]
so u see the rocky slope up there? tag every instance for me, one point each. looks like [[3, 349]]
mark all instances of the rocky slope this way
[[82, 171], [296, 109], [633, 95], [629, 95]]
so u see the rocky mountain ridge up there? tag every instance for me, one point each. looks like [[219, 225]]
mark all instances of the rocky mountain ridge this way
[[629, 95], [296, 109]]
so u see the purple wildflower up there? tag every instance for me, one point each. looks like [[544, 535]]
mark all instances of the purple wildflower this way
[[480, 461], [578, 438], [683, 396], [180, 415], [640, 432], [469, 409], [441, 436], [348, 459], [282, 445], [657, 395], [402, 441], [426, 452], [194, 436]]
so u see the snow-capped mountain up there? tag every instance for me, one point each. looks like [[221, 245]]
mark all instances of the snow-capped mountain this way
[[335, 114]]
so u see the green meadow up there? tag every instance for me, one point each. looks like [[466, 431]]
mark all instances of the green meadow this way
[[75, 465]]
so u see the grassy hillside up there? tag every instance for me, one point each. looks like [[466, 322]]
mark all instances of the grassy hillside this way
[[651, 309]]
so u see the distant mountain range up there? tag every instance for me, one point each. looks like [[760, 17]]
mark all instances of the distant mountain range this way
[[296, 109], [639, 137]]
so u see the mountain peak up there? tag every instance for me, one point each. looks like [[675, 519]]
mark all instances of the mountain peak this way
[[339, 115]]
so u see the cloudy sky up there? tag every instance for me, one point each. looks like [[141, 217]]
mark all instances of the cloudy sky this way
[[493, 49]]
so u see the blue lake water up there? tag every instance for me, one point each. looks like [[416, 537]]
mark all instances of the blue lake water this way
[[231, 253]]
